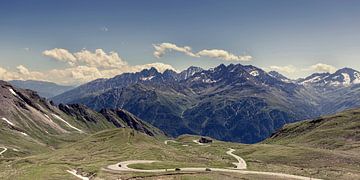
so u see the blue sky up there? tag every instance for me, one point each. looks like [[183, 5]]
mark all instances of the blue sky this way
[[288, 36]]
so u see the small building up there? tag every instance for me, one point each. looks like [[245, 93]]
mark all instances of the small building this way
[[205, 140]]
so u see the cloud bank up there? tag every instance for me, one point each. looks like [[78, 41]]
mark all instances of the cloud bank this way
[[289, 69], [163, 48], [320, 67], [284, 69], [82, 66]]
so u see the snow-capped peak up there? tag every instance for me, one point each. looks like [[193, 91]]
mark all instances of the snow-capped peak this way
[[342, 77]]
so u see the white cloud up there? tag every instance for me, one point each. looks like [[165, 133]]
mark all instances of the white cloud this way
[[21, 73], [83, 74], [3, 73], [320, 67], [221, 54], [61, 55], [84, 66], [23, 70], [99, 58], [161, 49], [284, 69], [27, 49], [291, 70]]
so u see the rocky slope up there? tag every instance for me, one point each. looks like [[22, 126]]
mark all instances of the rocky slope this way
[[28, 121]]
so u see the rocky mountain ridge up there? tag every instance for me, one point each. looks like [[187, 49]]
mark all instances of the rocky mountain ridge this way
[[26, 119]]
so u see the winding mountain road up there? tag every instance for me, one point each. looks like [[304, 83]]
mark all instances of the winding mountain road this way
[[241, 164], [167, 141]]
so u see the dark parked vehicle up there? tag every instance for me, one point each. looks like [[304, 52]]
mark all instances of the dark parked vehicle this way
[[177, 169], [207, 169]]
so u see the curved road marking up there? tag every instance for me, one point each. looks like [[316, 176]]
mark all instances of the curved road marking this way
[[74, 172], [123, 166], [5, 149], [241, 164]]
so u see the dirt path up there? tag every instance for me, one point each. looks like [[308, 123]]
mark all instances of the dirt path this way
[[167, 141], [74, 172], [241, 164]]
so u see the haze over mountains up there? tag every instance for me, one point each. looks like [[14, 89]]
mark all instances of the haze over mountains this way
[[233, 103], [43, 88]]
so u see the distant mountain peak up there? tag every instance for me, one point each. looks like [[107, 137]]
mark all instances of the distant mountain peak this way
[[342, 77], [185, 74], [279, 76]]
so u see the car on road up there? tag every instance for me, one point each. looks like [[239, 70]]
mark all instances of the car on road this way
[[207, 169], [177, 169]]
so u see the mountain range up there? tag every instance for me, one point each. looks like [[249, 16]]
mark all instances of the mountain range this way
[[240, 103], [41, 140]]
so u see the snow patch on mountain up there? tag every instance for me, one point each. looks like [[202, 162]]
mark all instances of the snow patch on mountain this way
[[209, 81], [312, 80], [23, 133], [347, 79], [61, 119], [9, 122], [357, 78], [15, 94], [254, 73], [147, 78]]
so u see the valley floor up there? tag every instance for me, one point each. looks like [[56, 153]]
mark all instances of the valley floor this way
[[93, 156]]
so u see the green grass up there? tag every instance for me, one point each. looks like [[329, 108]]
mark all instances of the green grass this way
[[335, 132], [97, 151]]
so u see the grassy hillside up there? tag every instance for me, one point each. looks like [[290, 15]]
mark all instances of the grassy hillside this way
[[336, 132], [95, 152], [316, 148]]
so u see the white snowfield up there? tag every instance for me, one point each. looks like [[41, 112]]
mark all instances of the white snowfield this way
[[12, 124], [61, 119], [73, 172], [123, 166], [14, 93], [9, 122], [23, 133]]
